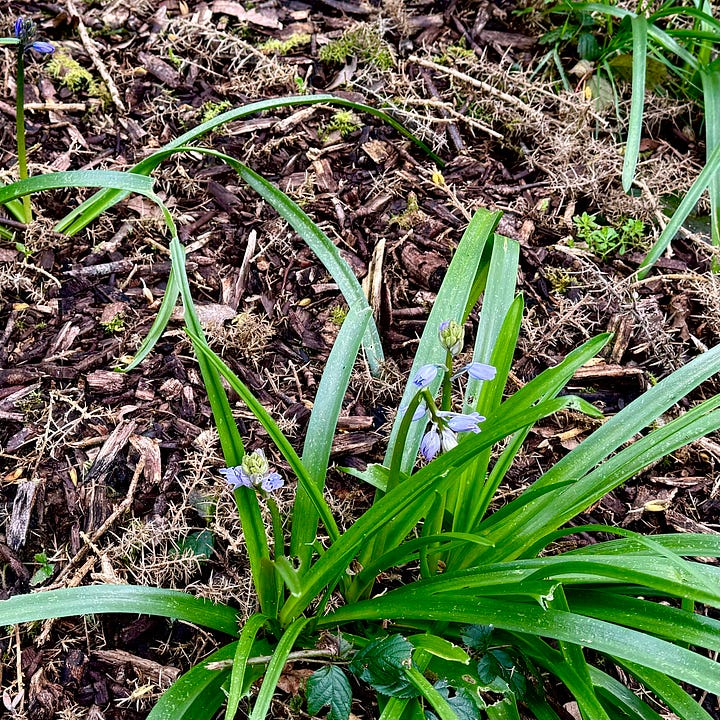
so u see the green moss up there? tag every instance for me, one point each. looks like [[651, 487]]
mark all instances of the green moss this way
[[75, 77], [70, 72], [344, 122], [338, 314], [284, 47], [362, 41], [212, 109]]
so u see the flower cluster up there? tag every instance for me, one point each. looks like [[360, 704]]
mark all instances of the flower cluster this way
[[444, 424], [25, 32], [254, 472]]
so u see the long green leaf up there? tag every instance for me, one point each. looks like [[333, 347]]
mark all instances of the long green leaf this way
[[100, 202], [703, 181], [118, 599], [637, 103], [450, 304], [321, 429], [244, 648], [276, 435], [124, 182], [275, 668]]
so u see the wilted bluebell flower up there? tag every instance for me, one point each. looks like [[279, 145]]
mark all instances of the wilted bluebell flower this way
[[25, 32], [452, 336], [253, 472]]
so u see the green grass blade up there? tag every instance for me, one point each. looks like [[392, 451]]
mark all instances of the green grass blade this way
[[275, 668], [637, 104], [498, 299], [703, 181], [683, 544], [131, 599], [428, 691], [661, 620], [621, 697], [325, 251], [197, 694], [450, 304], [165, 311], [243, 651], [314, 237], [100, 202], [321, 429]]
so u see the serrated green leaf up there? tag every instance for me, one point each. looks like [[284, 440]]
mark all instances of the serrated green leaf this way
[[382, 665], [498, 670], [461, 702], [477, 637], [329, 686]]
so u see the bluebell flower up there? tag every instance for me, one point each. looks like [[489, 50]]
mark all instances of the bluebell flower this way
[[25, 32], [236, 477], [480, 371], [425, 375], [431, 443], [253, 472], [458, 422]]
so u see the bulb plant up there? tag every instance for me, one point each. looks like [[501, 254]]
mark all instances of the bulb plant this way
[[492, 618]]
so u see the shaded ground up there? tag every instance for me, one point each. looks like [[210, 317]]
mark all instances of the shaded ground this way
[[110, 475]]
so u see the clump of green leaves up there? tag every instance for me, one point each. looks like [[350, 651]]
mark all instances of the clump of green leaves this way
[[362, 41], [284, 47], [605, 240], [344, 122], [338, 314], [452, 53]]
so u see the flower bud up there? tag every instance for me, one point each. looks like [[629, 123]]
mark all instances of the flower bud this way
[[452, 336]]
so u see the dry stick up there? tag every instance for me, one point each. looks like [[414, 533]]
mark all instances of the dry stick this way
[[452, 112], [452, 131], [89, 46]]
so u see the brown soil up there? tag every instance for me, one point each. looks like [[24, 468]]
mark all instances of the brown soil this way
[[110, 475]]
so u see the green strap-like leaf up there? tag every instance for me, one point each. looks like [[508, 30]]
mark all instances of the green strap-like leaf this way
[[637, 103], [321, 429], [118, 599], [101, 201], [243, 650]]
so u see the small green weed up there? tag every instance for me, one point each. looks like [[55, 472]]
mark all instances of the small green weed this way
[[114, 325], [338, 314], [44, 571], [604, 240]]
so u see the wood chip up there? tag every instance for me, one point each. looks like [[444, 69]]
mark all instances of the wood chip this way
[[264, 19]]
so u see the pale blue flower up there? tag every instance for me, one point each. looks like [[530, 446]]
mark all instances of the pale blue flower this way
[[431, 443], [480, 371], [236, 477], [253, 472], [458, 422], [272, 482], [448, 439], [452, 336], [425, 375]]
